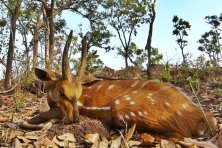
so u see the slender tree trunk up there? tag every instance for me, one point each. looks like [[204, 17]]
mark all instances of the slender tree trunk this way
[[184, 57], [14, 17], [51, 35], [126, 57], [148, 46], [82, 67], [47, 66], [126, 62], [36, 40]]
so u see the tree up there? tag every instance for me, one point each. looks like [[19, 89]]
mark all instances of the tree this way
[[209, 44], [13, 9], [180, 31], [125, 17], [137, 56], [148, 47], [49, 14], [28, 15], [215, 23]]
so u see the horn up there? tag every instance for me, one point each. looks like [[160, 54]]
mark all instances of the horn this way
[[66, 72]]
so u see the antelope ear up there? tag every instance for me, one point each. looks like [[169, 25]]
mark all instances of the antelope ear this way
[[45, 75]]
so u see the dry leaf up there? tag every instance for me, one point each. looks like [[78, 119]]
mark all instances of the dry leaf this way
[[130, 132], [133, 143], [24, 139], [116, 143], [95, 145], [15, 133], [32, 137], [59, 143], [91, 138], [4, 119], [71, 145], [67, 137], [167, 144], [49, 143], [147, 139], [17, 143], [38, 144], [220, 126], [189, 141], [104, 143]]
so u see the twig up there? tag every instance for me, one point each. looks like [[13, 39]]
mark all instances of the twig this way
[[6, 91], [124, 140], [201, 108]]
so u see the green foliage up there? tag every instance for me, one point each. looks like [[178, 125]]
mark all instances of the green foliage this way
[[155, 56], [125, 17], [3, 23], [210, 41], [94, 64], [165, 77], [137, 56], [180, 31], [209, 44], [217, 92], [19, 100], [194, 81]]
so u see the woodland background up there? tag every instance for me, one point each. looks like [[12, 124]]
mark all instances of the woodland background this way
[[33, 34]]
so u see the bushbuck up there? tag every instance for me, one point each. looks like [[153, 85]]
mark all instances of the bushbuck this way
[[154, 106]]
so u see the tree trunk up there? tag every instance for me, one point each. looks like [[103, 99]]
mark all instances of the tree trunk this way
[[36, 41], [82, 67], [126, 57], [148, 46], [14, 17], [184, 57], [46, 39], [51, 36]]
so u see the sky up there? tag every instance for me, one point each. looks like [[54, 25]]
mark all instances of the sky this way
[[193, 11]]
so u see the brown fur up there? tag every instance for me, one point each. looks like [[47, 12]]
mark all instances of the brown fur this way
[[172, 113]]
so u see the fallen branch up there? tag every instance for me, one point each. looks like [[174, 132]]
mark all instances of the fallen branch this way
[[6, 91]]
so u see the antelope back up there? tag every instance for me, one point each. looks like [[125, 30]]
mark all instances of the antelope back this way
[[153, 106]]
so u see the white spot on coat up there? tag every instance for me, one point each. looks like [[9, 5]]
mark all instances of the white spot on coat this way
[[167, 104], [117, 101], [140, 113], [134, 92], [185, 105], [126, 116], [150, 94], [110, 87], [179, 113], [128, 98], [145, 113], [148, 97], [135, 83], [132, 114], [99, 86], [132, 102], [144, 84]]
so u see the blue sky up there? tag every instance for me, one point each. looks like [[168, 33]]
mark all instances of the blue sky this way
[[193, 11]]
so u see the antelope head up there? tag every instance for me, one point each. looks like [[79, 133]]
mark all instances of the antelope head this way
[[62, 91]]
